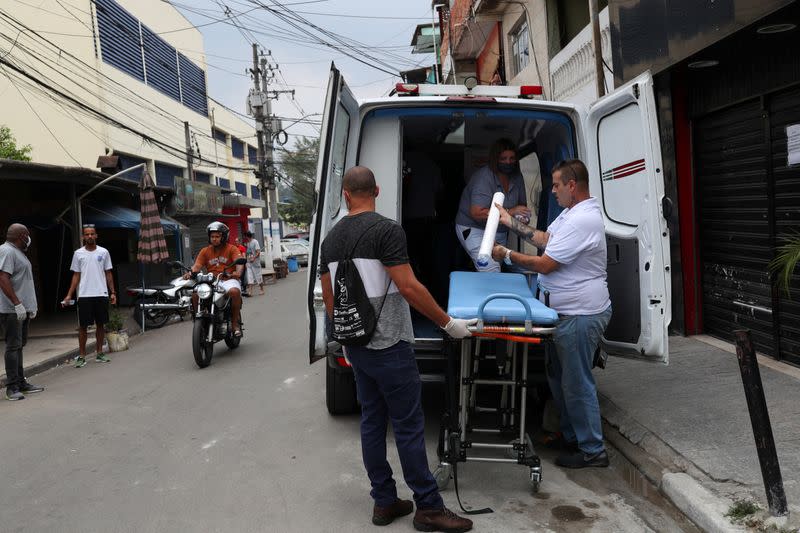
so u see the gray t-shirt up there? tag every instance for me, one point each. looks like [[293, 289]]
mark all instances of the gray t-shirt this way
[[382, 244], [15, 263], [479, 191]]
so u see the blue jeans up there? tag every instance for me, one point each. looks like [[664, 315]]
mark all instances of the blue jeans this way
[[569, 373], [389, 387]]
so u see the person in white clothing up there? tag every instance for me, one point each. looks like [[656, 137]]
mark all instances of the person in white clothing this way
[[93, 279], [572, 269]]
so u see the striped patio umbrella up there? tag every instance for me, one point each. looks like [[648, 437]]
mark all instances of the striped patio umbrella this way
[[152, 246]]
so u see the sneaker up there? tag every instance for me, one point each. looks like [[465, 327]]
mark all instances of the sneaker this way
[[29, 388], [383, 516], [440, 520], [13, 394], [101, 358], [80, 361], [582, 460]]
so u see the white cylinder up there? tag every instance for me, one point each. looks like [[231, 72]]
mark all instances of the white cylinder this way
[[485, 252]]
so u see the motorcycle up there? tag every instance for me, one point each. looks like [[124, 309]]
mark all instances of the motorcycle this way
[[159, 303], [213, 317]]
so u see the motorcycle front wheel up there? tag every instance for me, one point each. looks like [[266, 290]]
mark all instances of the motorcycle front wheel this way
[[201, 348]]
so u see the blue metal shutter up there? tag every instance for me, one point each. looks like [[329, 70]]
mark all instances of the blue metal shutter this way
[[224, 183], [119, 38], [202, 177], [162, 64], [127, 161], [255, 192], [219, 135], [165, 175], [241, 188], [193, 85], [252, 155], [237, 148]]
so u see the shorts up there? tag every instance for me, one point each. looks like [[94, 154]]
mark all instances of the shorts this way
[[92, 310], [229, 284]]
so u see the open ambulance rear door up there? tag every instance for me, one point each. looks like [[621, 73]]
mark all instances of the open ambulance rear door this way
[[339, 122], [626, 176]]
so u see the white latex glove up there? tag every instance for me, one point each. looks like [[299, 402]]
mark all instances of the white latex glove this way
[[32, 315], [457, 327], [22, 314]]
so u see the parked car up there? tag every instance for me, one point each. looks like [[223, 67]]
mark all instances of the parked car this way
[[295, 249], [453, 126]]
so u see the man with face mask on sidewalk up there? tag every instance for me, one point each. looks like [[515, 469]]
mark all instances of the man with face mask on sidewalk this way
[[17, 307]]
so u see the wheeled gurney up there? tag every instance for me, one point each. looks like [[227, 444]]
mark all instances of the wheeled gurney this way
[[506, 308]]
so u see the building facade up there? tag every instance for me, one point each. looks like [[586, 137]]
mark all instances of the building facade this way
[[728, 82], [109, 85]]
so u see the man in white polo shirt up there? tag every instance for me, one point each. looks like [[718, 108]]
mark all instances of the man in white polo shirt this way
[[91, 275], [573, 270]]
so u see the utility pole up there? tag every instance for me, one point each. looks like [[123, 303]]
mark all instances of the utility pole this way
[[272, 185], [594, 17], [261, 104], [189, 151]]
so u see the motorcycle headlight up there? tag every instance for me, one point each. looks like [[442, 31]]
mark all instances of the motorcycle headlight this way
[[203, 291]]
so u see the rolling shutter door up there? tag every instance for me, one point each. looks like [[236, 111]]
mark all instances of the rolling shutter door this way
[[731, 165], [785, 111]]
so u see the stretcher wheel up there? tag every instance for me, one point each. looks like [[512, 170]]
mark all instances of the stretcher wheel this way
[[442, 474], [536, 478]]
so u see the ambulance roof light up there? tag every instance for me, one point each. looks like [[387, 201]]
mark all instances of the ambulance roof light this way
[[407, 89], [530, 90]]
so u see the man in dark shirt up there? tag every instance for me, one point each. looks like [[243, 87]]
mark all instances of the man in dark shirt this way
[[385, 369]]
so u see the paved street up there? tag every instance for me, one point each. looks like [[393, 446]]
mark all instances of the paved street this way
[[151, 443]]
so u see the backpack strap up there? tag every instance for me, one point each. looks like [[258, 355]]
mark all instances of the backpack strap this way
[[353, 249], [350, 257]]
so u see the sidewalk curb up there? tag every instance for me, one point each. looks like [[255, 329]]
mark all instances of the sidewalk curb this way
[[674, 475], [56, 360]]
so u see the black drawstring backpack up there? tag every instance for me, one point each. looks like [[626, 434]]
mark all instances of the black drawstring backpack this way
[[354, 318]]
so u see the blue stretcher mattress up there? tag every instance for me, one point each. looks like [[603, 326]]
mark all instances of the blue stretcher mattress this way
[[468, 290]]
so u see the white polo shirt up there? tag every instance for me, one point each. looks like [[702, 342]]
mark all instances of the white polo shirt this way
[[578, 243]]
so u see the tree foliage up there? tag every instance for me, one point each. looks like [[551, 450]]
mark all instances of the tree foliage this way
[[9, 148], [299, 173]]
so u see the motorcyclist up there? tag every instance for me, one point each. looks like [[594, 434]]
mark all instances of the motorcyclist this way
[[215, 258]]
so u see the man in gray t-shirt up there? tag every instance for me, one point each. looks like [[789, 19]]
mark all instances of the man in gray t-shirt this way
[[17, 307], [387, 378]]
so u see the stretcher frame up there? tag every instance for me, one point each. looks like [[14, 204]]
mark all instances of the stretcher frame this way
[[457, 435]]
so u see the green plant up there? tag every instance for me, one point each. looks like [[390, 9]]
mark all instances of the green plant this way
[[9, 148], [115, 320], [786, 260], [742, 509]]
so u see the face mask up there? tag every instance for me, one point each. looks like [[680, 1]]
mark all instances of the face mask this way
[[28, 245], [507, 168]]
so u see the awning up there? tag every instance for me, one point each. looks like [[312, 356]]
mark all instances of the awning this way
[[115, 216]]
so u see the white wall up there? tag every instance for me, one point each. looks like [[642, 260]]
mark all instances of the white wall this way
[[537, 28], [573, 68]]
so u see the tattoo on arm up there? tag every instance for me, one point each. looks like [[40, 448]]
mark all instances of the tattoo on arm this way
[[528, 233]]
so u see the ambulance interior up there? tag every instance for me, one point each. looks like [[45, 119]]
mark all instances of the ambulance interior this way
[[440, 148]]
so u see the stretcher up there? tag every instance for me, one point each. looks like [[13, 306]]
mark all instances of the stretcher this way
[[507, 309]]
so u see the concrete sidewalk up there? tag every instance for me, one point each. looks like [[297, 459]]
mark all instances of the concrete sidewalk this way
[[53, 340], [691, 417]]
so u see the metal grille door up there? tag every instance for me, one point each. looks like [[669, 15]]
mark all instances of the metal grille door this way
[[748, 201], [733, 207]]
